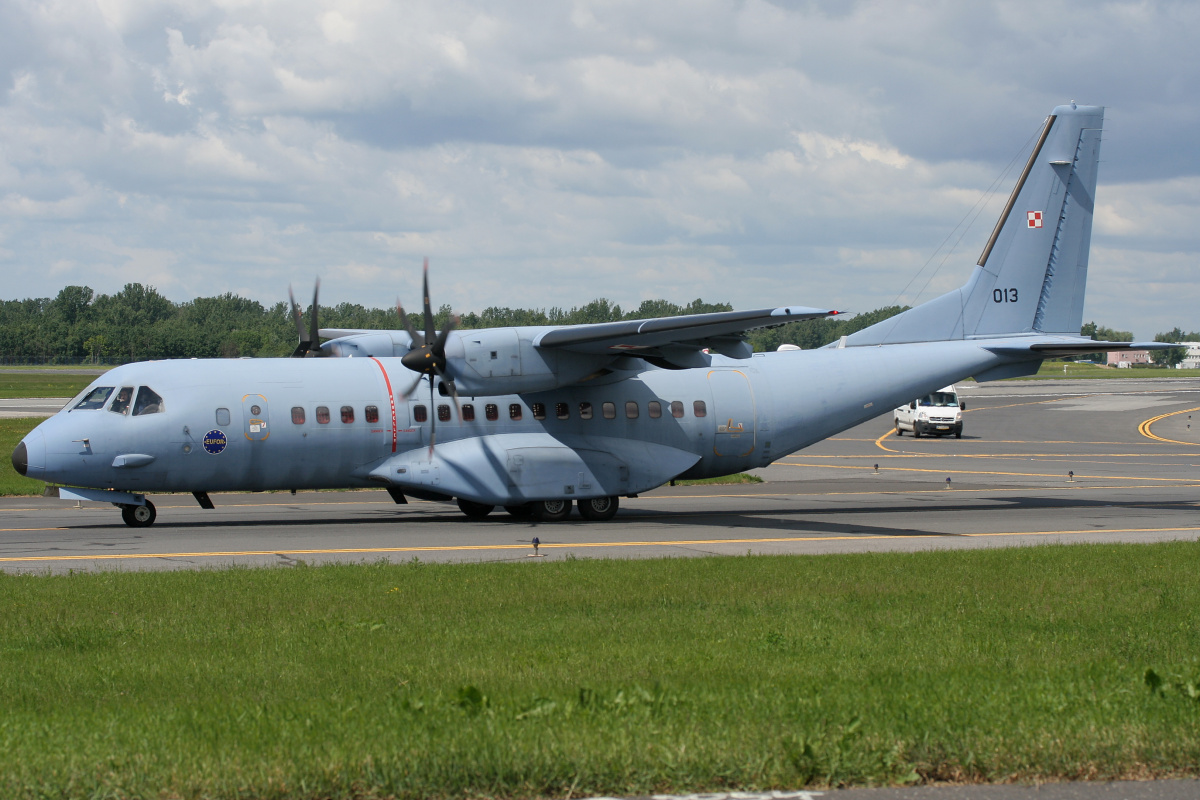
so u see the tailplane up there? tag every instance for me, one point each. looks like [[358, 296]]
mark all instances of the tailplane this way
[[1031, 276]]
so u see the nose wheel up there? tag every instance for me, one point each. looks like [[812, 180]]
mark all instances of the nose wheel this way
[[139, 516]]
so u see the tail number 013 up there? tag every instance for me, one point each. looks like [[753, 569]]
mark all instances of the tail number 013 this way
[[1004, 295]]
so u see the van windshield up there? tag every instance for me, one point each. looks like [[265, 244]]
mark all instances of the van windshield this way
[[940, 399]]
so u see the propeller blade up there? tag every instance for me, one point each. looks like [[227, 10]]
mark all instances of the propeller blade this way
[[428, 306], [412, 334], [313, 337], [432, 419], [453, 391], [302, 344], [439, 346], [407, 393]]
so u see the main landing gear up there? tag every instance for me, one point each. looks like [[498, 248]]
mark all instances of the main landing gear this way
[[139, 516], [596, 509]]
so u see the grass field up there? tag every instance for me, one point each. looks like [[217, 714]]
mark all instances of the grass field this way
[[740, 477], [12, 431], [1054, 369], [41, 384], [555, 678]]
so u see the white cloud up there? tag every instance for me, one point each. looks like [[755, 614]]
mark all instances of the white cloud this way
[[548, 153]]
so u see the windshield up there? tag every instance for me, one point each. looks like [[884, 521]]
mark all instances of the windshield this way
[[940, 399], [148, 402], [94, 399]]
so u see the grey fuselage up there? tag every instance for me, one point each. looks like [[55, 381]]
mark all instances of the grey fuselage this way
[[754, 411]]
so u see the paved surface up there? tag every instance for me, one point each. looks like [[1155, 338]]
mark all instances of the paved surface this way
[[1131, 445], [31, 406]]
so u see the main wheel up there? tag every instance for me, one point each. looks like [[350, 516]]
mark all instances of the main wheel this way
[[598, 509], [551, 510], [139, 516], [474, 510]]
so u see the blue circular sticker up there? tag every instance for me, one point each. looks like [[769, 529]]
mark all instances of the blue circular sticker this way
[[215, 441]]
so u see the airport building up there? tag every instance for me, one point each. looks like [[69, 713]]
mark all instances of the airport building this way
[[1127, 358]]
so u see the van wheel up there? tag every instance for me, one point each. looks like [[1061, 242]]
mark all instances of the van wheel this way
[[474, 510], [598, 509], [916, 432], [958, 434], [899, 430], [551, 510]]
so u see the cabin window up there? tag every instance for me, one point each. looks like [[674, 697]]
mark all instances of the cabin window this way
[[222, 416], [322, 415], [677, 409], [585, 410], [609, 410], [347, 414], [539, 410], [371, 413], [443, 412], [562, 410], [420, 413], [492, 412], [699, 409], [514, 411], [631, 409], [94, 399], [654, 409], [468, 412], [442, 390], [120, 405], [297, 415], [148, 402]]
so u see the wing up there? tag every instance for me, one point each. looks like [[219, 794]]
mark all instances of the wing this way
[[722, 332]]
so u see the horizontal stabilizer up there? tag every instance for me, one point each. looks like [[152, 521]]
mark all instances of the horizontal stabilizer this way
[[1071, 347]]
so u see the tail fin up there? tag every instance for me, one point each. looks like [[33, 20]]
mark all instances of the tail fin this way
[[1033, 271]]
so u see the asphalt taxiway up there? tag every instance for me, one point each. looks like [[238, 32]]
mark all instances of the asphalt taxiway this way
[[1039, 461]]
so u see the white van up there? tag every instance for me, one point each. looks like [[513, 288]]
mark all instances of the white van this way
[[936, 414]]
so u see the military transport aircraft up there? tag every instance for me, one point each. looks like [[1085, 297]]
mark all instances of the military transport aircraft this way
[[541, 419]]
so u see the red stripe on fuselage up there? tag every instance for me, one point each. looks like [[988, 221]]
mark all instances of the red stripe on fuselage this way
[[391, 398]]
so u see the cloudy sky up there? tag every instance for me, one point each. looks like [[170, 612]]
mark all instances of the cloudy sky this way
[[548, 153]]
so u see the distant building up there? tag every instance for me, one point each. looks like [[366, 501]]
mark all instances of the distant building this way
[[1192, 359], [1127, 358]]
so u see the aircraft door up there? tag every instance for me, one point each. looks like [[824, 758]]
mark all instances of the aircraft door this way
[[255, 417], [732, 413]]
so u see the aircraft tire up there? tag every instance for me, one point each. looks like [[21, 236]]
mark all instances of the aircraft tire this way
[[474, 510], [551, 510], [523, 511], [139, 516], [598, 509]]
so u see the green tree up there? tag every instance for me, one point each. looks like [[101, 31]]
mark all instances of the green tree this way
[[1172, 356]]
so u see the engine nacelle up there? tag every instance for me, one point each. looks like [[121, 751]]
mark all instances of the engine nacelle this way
[[495, 361]]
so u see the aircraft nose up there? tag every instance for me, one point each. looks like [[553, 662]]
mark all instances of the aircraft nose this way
[[30, 456]]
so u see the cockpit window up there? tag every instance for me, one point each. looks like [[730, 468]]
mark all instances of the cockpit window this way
[[94, 399], [148, 402], [121, 404]]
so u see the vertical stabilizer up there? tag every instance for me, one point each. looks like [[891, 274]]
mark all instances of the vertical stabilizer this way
[[1033, 271]]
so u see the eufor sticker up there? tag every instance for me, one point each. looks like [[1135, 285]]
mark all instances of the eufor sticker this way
[[215, 441]]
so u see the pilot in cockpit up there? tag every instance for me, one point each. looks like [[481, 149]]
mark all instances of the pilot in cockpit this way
[[121, 404]]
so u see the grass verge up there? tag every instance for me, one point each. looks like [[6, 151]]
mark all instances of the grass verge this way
[[41, 384], [602, 677], [740, 477], [1054, 369], [12, 431]]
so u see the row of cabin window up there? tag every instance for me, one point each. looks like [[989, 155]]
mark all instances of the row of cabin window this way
[[491, 411]]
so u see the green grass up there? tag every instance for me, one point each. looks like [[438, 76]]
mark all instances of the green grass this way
[[41, 384], [1054, 369], [12, 431], [548, 678], [741, 477]]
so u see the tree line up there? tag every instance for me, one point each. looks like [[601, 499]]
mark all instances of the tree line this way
[[139, 324]]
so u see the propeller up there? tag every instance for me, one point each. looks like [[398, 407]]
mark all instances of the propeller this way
[[428, 358], [309, 344]]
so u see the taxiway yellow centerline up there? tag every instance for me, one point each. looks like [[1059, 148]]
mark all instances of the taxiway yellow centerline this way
[[953, 471], [1144, 428], [564, 545]]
